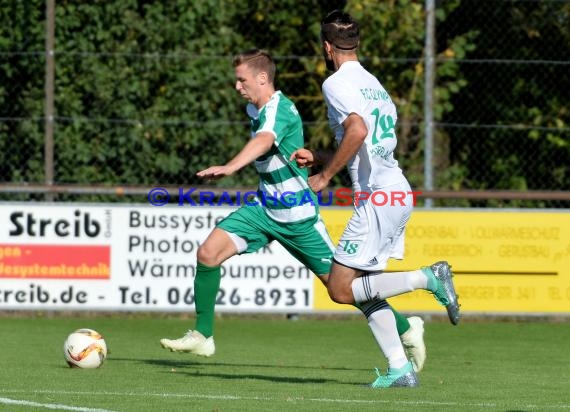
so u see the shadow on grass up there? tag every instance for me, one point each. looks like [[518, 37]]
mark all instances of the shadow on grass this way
[[190, 362], [179, 365], [270, 378]]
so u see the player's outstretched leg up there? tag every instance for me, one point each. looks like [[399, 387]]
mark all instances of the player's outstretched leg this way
[[440, 283], [413, 341], [193, 342], [403, 377], [200, 341]]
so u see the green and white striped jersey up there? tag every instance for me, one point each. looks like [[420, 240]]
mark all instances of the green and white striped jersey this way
[[283, 189]]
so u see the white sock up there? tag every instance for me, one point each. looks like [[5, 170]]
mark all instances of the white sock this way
[[382, 323], [384, 285]]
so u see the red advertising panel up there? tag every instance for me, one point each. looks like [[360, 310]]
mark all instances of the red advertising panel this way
[[54, 261]]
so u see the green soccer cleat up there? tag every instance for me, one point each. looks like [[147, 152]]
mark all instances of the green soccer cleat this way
[[440, 275], [405, 377]]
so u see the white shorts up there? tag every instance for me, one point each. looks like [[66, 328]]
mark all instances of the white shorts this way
[[376, 230]]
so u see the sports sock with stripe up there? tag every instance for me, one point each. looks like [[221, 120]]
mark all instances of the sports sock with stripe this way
[[382, 323], [384, 285], [402, 323]]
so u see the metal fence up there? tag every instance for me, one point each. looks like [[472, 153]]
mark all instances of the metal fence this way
[[472, 55]]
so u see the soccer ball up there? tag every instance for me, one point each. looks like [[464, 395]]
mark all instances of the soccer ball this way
[[85, 348]]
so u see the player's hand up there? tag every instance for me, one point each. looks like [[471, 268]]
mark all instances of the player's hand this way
[[318, 182], [303, 157], [215, 172]]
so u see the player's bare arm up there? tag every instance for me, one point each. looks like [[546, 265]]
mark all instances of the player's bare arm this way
[[256, 147], [355, 132]]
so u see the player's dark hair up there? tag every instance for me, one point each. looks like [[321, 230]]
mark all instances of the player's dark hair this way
[[340, 30], [258, 60]]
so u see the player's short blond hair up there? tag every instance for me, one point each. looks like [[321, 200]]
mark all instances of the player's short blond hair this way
[[258, 60]]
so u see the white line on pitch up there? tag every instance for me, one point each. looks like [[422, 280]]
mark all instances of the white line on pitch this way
[[291, 399], [18, 402]]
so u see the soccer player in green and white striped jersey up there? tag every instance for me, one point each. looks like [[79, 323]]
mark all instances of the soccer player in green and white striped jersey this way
[[285, 209]]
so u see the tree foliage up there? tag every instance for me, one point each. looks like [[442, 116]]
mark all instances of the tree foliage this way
[[21, 91], [144, 90], [517, 84]]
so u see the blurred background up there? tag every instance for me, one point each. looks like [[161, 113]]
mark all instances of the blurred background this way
[[112, 97]]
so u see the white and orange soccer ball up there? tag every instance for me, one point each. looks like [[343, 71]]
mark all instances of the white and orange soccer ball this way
[[85, 348]]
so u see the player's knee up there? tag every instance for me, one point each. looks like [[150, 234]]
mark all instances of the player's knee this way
[[340, 295], [207, 256]]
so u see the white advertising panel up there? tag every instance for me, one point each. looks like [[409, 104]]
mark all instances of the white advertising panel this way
[[119, 257]]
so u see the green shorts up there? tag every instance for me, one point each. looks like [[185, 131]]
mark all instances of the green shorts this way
[[308, 241]]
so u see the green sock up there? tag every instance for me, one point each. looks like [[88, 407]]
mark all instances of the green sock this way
[[206, 285], [402, 323]]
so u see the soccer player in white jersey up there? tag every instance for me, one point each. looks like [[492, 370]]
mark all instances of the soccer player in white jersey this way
[[363, 119], [292, 220]]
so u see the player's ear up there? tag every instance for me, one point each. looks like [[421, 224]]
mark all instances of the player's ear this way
[[262, 78]]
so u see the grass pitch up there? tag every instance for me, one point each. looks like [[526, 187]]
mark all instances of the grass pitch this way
[[269, 364]]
